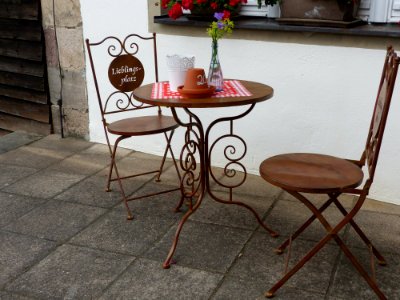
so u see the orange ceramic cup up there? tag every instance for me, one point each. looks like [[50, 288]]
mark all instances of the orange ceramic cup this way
[[195, 79]]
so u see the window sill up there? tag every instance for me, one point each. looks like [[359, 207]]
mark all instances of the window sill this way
[[265, 24]]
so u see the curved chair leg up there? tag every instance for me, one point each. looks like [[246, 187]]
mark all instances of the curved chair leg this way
[[108, 189], [332, 233], [381, 259], [113, 163], [168, 139], [283, 246]]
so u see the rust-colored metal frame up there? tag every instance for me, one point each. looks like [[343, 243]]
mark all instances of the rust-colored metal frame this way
[[124, 102], [369, 159], [195, 181]]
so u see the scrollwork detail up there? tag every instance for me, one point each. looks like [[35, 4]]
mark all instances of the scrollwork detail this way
[[233, 157], [191, 178], [121, 100]]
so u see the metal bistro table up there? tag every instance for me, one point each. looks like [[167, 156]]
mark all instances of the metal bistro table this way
[[195, 182]]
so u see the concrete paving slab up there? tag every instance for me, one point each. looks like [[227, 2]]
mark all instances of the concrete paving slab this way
[[230, 214], [169, 175], [382, 230], [115, 233], [57, 143], [347, 201], [137, 162], [19, 252], [236, 288], [348, 284], [145, 279], [17, 139], [287, 216], [254, 185], [381, 207], [13, 207], [162, 205], [222, 252], [71, 272], [56, 220], [81, 163], [12, 296], [32, 157], [10, 174], [259, 261], [202, 246], [91, 191], [46, 184]]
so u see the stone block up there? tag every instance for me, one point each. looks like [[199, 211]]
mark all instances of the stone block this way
[[51, 47], [55, 112], [76, 123], [54, 79], [47, 13], [74, 90], [68, 13], [71, 50]]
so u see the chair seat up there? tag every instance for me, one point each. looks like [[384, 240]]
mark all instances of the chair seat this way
[[311, 173], [142, 125]]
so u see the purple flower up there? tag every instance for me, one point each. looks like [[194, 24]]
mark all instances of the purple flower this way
[[218, 16], [220, 25]]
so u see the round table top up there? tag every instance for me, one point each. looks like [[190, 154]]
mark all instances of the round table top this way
[[260, 92]]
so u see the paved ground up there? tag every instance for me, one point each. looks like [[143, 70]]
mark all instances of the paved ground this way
[[63, 237]]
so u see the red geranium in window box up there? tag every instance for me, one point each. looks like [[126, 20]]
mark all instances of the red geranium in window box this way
[[208, 7]]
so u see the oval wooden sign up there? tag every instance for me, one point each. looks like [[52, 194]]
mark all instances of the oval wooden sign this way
[[126, 73]]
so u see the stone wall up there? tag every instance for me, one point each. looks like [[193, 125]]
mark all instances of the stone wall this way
[[62, 25]]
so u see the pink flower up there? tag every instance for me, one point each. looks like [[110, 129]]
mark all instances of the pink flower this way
[[175, 12]]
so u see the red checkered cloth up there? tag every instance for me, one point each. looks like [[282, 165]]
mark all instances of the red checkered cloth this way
[[232, 88]]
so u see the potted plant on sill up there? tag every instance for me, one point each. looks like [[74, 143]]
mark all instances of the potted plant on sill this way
[[318, 12], [203, 9]]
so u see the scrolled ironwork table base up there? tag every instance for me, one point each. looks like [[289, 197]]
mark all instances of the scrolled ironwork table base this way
[[197, 149]]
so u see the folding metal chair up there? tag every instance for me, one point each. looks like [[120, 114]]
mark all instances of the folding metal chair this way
[[125, 74], [298, 173]]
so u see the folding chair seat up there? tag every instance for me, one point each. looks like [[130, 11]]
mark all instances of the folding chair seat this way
[[308, 173], [114, 85]]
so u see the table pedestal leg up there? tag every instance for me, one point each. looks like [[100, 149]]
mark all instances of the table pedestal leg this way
[[193, 177], [196, 150]]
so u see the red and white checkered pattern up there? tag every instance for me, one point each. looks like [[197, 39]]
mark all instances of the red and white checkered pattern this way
[[232, 88]]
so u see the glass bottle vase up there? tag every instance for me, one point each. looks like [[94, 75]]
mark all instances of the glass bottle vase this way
[[215, 76]]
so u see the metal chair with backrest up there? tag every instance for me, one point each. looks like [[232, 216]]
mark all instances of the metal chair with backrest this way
[[299, 173], [125, 74]]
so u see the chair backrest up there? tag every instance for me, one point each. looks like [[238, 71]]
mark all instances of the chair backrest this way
[[381, 110], [125, 71]]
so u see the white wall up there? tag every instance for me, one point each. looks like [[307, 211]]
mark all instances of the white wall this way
[[323, 101]]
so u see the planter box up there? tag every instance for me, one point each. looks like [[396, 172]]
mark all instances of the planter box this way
[[339, 13]]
